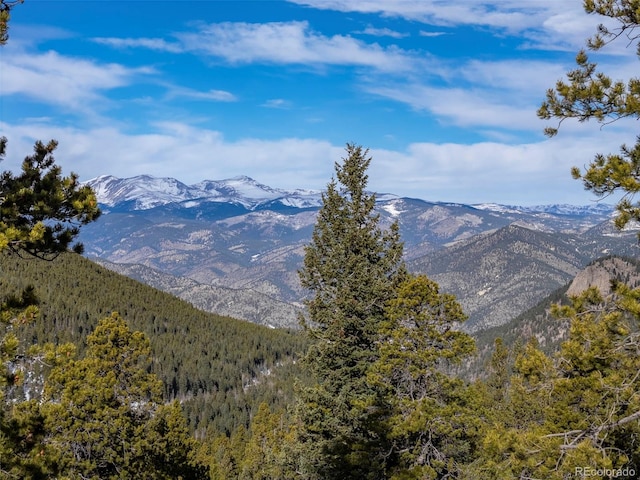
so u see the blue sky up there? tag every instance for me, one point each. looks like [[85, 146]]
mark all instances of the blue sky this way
[[443, 93]]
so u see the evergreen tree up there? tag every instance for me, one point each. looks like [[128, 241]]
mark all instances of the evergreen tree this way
[[104, 414], [498, 378], [40, 215], [352, 268], [590, 94], [433, 422], [578, 411], [41, 212], [267, 450]]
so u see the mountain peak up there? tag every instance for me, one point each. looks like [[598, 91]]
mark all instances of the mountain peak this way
[[147, 191], [241, 178]]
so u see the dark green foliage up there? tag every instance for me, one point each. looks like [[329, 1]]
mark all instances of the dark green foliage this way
[[40, 215], [204, 360], [579, 408], [352, 268], [22, 446], [266, 451], [104, 416], [41, 212], [432, 423]]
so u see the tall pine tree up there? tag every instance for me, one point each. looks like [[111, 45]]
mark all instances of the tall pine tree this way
[[352, 268]]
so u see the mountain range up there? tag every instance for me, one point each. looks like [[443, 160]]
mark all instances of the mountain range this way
[[228, 244]]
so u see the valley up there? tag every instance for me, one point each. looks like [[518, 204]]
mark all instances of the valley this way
[[234, 246]]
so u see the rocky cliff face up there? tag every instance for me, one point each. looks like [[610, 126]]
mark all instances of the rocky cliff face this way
[[601, 273], [538, 323]]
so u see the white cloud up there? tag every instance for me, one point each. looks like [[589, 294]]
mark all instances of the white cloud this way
[[277, 103], [530, 173], [487, 94], [383, 32], [512, 15], [290, 43], [218, 95], [150, 43], [431, 34], [212, 95], [275, 43], [526, 78], [533, 173], [177, 150], [549, 25], [55, 79], [463, 107]]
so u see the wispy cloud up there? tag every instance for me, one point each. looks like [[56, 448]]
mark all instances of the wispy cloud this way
[[274, 43], [158, 44], [277, 103], [546, 24], [526, 78], [508, 14], [212, 95], [431, 34], [75, 84], [383, 32], [463, 107]]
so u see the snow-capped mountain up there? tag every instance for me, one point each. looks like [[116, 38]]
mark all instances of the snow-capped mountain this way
[[240, 234], [146, 192], [143, 191], [554, 209]]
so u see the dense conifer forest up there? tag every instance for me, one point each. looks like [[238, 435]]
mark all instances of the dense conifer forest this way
[[214, 365]]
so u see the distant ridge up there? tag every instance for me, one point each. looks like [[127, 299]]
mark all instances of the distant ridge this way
[[146, 192], [537, 321], [243, 235], [243, 304]]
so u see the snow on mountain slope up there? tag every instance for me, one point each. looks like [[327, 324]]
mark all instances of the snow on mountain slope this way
[[242, 189], [555, 209], [148, 192]]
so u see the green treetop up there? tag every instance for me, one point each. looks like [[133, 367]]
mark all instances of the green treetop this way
[[589, 94], [578, 410], [352, 268], [431, 423], [41, 211], [105, 417]]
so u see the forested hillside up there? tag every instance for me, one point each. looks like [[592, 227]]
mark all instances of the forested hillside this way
[[203, 359], [97, 371]]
